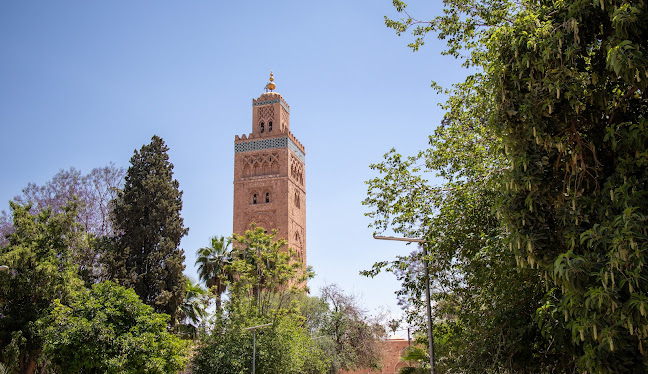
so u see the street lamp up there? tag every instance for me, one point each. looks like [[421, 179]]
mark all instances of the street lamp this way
[[4, 267], [254, 328], [421, 243]]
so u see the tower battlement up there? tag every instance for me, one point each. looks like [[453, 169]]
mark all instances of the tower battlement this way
[[271, 98]]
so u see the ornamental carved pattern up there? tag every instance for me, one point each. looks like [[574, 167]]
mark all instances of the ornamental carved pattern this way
[[285, 119], [261, 164], [266, 113], [298, 246], [296, 170]]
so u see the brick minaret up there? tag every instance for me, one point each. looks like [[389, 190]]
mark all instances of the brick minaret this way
[[269, 175]]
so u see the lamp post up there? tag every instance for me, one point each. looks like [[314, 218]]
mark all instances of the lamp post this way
[[4, 267], [421, 243], [254, 328]]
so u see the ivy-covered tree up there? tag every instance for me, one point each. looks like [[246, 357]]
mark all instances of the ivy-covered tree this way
[[146, 255], [572, 108], [564, 87]]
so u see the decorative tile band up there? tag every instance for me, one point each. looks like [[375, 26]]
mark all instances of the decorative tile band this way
[[267, 102], [261, 144]]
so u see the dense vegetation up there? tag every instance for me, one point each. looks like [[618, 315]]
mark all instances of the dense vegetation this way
[[59, 314], [94, 285], [146, 254], [305, 334], [537, 234]]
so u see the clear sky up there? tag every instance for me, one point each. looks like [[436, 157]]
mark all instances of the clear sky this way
[[85, 83]]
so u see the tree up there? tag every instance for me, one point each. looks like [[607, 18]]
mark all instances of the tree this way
[[564, 86], [265, 269], [212, 262], [418, 355], [483, 305], [353, 335], [285, 347], [265, 289], [107, 329], [393, 325], [38, 257], [91, 193], [576, 207], [146, 215], [194, 308]]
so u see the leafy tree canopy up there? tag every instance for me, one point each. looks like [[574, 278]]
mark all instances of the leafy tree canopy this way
[[108, 329], [264, 288], [264, 268], [212, 264], [348, 334], [92, 192], [39, 272], [556, 112]]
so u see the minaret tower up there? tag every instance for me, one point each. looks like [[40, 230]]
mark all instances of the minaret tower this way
[[269, 174]]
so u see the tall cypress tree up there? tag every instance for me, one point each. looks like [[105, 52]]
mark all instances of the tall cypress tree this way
[[146, 255]]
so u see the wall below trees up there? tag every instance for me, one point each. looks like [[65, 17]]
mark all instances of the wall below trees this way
[[392, 349]]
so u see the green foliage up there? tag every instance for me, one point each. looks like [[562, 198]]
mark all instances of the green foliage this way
[[284, 347], [91, 194], [39, 272], [193, 309], [264, 269], [147, 256], [265, 289], [559, 92], [348, 335], [415, 354], [483, 305], [107, 329], [573, 109], [212, 262]]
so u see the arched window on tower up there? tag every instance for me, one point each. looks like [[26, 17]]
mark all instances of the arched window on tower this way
[[262, 127], [270, 126], [254, 199], [297, 200], [267, 197]]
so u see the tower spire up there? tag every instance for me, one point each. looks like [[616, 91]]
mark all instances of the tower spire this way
[[271, 86]]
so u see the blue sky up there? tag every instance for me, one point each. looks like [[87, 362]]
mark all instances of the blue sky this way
[[83, 84]]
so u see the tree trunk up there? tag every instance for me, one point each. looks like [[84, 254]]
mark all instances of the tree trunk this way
[[28, 362]]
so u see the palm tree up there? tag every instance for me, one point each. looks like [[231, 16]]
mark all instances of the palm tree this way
[[193, 308], [211, 263]]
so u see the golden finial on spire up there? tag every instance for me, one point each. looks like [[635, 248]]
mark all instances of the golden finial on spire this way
[[271, 86]]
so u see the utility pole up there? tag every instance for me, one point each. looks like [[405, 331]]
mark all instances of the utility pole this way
[[421, 243], [254, 328]]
